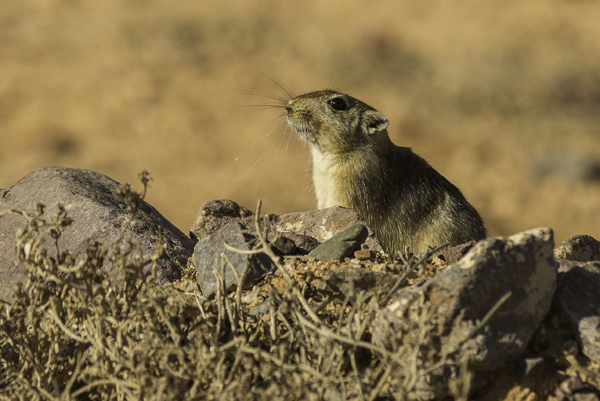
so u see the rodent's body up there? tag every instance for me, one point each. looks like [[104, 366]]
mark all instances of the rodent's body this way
[[355, 164]]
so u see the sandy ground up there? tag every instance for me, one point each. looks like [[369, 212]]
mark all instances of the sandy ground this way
[[502, 98]]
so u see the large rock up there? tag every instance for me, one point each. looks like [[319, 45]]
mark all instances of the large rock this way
[[580, 248], [342, 245], [212, 258], [459, 297], [98, 215], [578, 300], [301, 227], [321, 224], [215, 214]]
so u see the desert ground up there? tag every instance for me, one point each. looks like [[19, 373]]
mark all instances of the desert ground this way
[[502, 97]]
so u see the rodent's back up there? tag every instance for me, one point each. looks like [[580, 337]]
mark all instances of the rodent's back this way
[[354, 163]]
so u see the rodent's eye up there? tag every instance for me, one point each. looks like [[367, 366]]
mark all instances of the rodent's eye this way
[[337, 103]]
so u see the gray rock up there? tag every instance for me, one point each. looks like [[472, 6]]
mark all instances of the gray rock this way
[[342, 245], [214, 214], [321, 224], [282, 245], [98, 215], [210, 254], [461, 296], [306, 229], [580, 248], [578, 300], [456, 253], [564, 265], [303, 244]]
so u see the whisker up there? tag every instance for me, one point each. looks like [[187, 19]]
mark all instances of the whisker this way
[[336, 82], [257, 160], [284, 88], [262, 106], [287, 139], [247, 148], [259, 92]]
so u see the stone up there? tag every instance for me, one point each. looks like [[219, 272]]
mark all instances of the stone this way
[[282, 246], [98, 216], [564, 265], [462, 295], [580, 248], [306, 229], [210, 254], [578, 301], [321, 224], [342, 245], [214, 214], [303, 244], [364, 254], [456, 253]]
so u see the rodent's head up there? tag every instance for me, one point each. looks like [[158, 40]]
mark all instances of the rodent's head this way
[[335, 122]]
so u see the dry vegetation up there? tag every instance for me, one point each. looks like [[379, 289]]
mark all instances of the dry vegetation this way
[[488, 93], [304, 333], [73, 334]]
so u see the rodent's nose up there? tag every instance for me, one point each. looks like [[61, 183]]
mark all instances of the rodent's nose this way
[[288, 107]]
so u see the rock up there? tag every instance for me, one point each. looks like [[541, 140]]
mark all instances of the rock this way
[[282, 245], [213, 215], [98, 215], [580, 248], [321, 224], [564, 265], [456, 253], [210, 253], [306, 229], [461, 296], [364, 254], [578, 300], [342, 245], [303, 244]]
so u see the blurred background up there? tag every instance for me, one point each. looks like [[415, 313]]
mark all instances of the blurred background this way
[[502, 97]]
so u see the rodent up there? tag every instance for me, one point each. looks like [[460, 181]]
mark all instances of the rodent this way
[[356, 165]]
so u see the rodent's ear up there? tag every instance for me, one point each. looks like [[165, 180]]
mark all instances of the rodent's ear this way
[[374, 122]]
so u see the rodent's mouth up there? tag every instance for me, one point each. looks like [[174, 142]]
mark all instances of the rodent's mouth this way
[[301, 128]]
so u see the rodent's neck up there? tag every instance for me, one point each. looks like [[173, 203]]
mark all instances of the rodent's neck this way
[[335, 176]]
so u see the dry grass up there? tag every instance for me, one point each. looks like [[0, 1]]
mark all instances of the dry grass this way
[[74, 334]]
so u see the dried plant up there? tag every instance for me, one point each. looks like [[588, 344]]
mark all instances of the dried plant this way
[[73, 333]]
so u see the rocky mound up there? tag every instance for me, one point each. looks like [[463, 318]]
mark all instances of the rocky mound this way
[[105, 299]]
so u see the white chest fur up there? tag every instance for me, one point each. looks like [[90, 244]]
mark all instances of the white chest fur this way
[[327, 179]]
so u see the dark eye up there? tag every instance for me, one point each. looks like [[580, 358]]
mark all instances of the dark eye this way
[[337, 103]]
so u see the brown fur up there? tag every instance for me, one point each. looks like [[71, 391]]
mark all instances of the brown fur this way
[[355, 164]]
